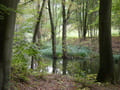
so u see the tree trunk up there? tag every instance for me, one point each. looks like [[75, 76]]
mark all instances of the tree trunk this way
[[106, 70], [53, 32], [37, 30], [91, 32], [85, 21], [119, 31], [64, 46], [7, 25], [78, 19], [64, 33]]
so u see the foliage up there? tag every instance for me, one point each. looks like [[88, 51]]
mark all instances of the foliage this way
[[75, 71], [43, 65], [22, 51], [79, 51], [5, 9], [73, 50], [116, 58], [116, 15], [20, 73]]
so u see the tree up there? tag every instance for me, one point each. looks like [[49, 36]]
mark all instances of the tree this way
[[7, 24], [106, 70], [53, 33], [36, 31], [64, 32], [85, 15]]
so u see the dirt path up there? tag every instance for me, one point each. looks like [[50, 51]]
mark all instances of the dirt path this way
[[60, 82], [50, 82]]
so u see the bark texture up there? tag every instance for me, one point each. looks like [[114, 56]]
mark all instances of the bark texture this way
[[53, 34], [7, 25], [106, 71], [85, 19], [65, 16]]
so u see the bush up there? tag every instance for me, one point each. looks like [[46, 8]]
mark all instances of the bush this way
[[22, 51], [20, 72], [72, 51]]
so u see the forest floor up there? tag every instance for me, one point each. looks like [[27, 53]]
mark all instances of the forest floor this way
[[93, 43], [60, 82]]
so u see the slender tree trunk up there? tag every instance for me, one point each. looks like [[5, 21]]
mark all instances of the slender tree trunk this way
[[85, 21], [38, 22], [91, 32], [83, 15], [40, 26], [7, 25], [37, 30], [106, 70], [57, 17], [53, 32], [93, 28], [64, 46], [78, 19], [79, 33], [119, 31], [64, 33], [81, 23]]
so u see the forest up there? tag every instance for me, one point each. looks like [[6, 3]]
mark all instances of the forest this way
[[59, 44]]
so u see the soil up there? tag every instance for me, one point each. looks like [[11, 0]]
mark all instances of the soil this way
[[59, 82]]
